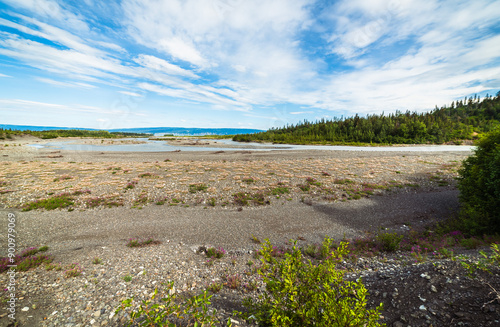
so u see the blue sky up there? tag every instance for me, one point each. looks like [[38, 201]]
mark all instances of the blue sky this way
[[237, 63]]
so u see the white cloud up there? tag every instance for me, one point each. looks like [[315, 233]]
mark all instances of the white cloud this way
[[180, 49], [3, 75], [133, 94], [111, 46], [301, 112], [51, 9], [65, 84], [161, 65]]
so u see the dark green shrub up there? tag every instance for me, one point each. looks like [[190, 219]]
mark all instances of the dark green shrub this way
[[479, 185], [389, 241], [299, 293]]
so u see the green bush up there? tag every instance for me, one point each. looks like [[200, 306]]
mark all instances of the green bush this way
[[479, 185], [167, 311], [299, 293], [389, 242]]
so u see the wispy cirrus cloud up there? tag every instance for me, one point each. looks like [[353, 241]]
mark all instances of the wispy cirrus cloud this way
[[65, 84]]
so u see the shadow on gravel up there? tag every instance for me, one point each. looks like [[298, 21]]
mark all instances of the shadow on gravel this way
[[392, 211]]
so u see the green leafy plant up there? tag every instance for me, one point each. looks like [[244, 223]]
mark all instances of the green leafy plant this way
[[389, 241], [53, 266], [135, 242], [479, 185], [167, 311], [215, 287], [216, 253], [255, 239], [299, 293], [29, 262], [212, 202], [73, 270], [233, 281], [97, 261]]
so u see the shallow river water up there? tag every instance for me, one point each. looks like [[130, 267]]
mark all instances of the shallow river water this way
[[230, 145]]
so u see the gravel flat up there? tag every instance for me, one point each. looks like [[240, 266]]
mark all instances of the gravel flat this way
[[342, 194]]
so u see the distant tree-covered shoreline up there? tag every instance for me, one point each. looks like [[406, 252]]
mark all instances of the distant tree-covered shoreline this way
[[462, 120], [51, 134]]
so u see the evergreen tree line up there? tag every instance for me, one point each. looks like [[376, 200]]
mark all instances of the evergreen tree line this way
[[462, 120], [51, 134]]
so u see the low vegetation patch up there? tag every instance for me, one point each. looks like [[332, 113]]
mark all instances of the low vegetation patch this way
[[27, 259], [343, 181], [62, 178], [73, 270], [137, 243], [60, 201], [312, 181], [106, 201], [141, 200], [193, 188], [244, 199], [146, 175], [304, 187], [280, 190], [131, 185], [248, 180], [216, 253]]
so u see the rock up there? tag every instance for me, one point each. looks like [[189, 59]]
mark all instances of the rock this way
[[422, 308], [434, 289], [425, 275], [25, 309], [397, 324], [97, 314]]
